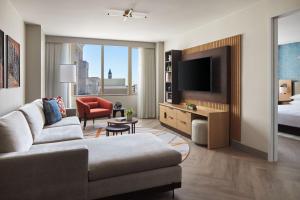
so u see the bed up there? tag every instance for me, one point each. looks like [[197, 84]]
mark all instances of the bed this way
[[289, 116]]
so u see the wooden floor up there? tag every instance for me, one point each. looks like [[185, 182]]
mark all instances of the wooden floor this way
[[229, 174]]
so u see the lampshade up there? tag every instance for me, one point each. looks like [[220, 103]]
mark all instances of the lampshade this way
[[67, 73]]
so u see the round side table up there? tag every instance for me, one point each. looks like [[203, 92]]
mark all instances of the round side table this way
[[115, 129], [115, 121]]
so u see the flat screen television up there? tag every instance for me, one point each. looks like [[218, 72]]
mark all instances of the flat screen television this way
[[195, 75]]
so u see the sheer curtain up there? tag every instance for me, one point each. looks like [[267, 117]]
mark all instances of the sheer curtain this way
[[56, 54], [146, 89]]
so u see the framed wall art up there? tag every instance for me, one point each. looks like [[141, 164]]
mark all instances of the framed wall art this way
[[12, 63], [1, 59]]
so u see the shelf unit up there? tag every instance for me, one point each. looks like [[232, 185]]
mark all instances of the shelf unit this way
[[172, 94]]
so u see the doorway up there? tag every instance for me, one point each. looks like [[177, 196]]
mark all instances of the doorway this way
[[285, 140]]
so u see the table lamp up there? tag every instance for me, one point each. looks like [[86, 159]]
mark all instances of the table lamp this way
[[68, 74]]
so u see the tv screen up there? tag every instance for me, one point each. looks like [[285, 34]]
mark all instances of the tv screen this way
[[195, 75]]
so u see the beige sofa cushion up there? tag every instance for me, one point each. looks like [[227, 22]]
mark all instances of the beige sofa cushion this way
[[66, 121], [35, 118], [15, 135], [121, 155], [57, 134]]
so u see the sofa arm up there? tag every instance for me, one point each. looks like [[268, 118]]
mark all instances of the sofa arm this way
[[55, 174]]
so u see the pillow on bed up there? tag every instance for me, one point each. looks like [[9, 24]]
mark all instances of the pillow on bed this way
[[295, 97]]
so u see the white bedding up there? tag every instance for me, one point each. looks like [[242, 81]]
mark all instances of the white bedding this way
[[289, 114]]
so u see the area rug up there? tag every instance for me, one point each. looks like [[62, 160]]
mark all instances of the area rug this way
[[176, 142]]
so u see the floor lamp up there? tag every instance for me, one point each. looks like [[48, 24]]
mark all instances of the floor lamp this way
[[67, 74]]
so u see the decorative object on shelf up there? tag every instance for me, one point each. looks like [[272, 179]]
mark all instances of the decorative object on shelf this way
[[168, 77], [129, 113], [169, 68], [191, 106], [1, 59], [118, 108], [12, 63], [170, 57], [68, 74], [169, 88], [118, 105]]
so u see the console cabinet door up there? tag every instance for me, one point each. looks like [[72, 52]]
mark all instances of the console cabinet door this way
[[183, 121], [163, 116], [171, 115], [184, 126]]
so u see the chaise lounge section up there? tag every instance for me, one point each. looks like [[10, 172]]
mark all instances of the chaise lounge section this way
[[63, 165]]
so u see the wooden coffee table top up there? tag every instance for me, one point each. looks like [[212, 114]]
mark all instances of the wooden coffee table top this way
[[116, 121]]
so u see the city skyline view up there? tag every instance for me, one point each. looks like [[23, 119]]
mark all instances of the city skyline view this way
[[115, 58]]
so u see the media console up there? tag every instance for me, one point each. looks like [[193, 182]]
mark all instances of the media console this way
[[180, 118]]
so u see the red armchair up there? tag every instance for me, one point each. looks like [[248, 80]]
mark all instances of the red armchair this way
[[92, 108]]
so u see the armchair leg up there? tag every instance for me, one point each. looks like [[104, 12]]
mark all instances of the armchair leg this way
[[84, 125], [80, 119], [93, 122]]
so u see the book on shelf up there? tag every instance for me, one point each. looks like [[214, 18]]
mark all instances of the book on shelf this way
[[168, 77]]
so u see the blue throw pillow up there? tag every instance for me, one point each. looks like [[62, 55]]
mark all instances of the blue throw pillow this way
[[51, 111]]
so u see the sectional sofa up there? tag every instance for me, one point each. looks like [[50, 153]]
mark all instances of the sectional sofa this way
[[56, 162]]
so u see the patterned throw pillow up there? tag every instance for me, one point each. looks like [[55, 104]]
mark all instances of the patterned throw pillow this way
[[51, 111], [61, 105]]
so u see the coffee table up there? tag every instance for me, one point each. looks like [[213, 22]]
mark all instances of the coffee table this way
[[115, 121], [115, 129]]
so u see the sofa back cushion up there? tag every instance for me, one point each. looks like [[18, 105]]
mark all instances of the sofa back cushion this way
[[35, 118], [39, 104], [15, 135]]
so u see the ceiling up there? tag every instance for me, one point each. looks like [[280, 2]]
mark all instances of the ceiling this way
[[86, 18], [289, 29]]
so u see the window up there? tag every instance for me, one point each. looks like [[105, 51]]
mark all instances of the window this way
[[135, 69], [115, 70], [88, 59]]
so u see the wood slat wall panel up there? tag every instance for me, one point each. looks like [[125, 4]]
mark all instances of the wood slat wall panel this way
[[235, 106]]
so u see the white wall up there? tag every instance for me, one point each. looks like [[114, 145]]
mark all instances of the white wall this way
[[289, 28], [34, 69], [254, 23], [13, 25], [43, 64]]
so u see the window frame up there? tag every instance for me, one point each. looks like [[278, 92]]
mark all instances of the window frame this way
[[129, 73]]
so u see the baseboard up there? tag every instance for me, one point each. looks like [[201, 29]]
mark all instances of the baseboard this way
[[142, 193], [237, 145]]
